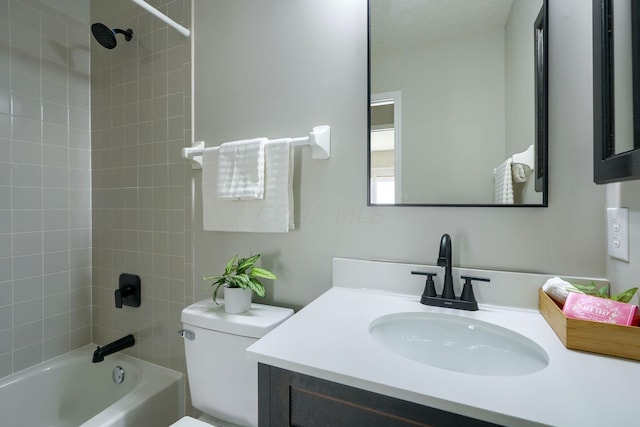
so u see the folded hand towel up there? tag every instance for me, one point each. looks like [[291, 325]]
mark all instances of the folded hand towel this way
[[241, 169], [273, 213], [520, 172], [503, 183]]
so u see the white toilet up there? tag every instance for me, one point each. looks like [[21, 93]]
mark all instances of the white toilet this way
[[223, 380]]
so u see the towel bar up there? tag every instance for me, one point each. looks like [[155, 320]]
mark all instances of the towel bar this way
[[319, 139]]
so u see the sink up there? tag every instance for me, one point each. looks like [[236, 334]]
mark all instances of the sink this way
[[459, 344]]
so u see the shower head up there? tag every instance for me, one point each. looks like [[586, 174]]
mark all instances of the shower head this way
[[107, 37]]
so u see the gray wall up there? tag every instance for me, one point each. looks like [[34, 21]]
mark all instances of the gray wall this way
[[624, 275], [453, 120], [45, 196], [278, 68]]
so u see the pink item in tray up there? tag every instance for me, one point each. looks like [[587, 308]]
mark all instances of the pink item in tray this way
[[595, 309]]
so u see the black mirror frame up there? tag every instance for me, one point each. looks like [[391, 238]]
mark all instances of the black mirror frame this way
[[607, 166], [541, 174]]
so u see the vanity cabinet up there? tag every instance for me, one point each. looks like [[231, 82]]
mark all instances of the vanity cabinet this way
[[289, 398]]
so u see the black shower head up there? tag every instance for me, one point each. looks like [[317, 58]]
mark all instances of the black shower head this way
[[107, 37]]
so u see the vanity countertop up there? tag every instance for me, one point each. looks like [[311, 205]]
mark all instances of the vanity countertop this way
[[330, 339]]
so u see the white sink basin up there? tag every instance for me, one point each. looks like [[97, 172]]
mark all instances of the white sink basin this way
[[459, 344]]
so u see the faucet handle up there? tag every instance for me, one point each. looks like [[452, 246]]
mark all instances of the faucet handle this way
[[467, 290], [429, 285], [425, 273]]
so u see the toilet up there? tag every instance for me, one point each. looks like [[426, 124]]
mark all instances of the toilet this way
[[223, 380]]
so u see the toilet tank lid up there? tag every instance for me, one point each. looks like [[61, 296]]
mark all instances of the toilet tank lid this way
[[255, 323]]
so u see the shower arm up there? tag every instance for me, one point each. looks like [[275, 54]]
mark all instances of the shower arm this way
[[152, 10]]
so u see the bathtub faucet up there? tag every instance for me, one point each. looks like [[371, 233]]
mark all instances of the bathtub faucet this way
[[117, 345]]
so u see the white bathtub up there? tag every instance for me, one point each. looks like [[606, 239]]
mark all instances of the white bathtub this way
[[70, 391]]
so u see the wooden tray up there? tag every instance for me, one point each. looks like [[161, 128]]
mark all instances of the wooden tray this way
[[594, 337]]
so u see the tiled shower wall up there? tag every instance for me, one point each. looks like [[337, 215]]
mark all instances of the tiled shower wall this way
[[141, 118], [45, 219]]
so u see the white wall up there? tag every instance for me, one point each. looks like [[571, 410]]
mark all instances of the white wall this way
[[278, 68]]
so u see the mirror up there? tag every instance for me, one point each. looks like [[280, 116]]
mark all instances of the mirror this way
[[458, 102], [616, 69]]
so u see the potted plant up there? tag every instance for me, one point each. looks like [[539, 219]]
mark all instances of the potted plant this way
[[239, 279]]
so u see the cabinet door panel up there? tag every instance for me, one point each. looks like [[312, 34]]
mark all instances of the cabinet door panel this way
[[292, 399]]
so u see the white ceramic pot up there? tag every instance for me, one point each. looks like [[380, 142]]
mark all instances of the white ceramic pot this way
[[237, 300]]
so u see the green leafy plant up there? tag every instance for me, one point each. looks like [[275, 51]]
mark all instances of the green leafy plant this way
[[241, 273], [603, 292]]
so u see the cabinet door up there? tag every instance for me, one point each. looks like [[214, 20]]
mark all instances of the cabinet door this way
[[290, 399]]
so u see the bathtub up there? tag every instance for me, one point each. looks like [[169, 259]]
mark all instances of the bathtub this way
[[70, 391]]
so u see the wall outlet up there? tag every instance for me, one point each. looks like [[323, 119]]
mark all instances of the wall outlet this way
[[618, 233]]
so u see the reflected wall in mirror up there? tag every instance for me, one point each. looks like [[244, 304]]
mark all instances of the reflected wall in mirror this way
[[458, 102], [616, 60]]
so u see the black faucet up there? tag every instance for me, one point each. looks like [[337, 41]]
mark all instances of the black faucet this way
[[117, 345], [444, 260], [467, 300]]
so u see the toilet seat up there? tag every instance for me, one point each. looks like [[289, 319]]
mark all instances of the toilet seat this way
[[190, 422]]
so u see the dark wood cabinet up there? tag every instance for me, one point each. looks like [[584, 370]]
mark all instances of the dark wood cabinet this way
[[291, 399]]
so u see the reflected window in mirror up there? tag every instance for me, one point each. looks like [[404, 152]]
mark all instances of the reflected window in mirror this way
[[385, 116], [616, 56], [473, 79]]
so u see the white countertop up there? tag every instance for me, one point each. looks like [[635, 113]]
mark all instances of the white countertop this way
[[330, 339]]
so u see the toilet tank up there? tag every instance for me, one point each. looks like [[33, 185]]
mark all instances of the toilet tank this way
[[223, 380]]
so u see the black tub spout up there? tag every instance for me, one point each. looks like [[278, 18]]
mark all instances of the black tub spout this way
[[117, 345]]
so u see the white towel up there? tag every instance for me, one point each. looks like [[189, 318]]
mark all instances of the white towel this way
[[272, 214], [503, 183], [520, 172], [241, 169]]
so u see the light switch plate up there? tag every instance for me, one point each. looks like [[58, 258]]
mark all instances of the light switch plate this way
[[618, 233]]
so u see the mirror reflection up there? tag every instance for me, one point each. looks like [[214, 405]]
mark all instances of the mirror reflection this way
[[623, 75], [457, 102]]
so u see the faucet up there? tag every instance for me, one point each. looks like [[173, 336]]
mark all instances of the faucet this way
[[444, 260], [467, 300], [117, 345]]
